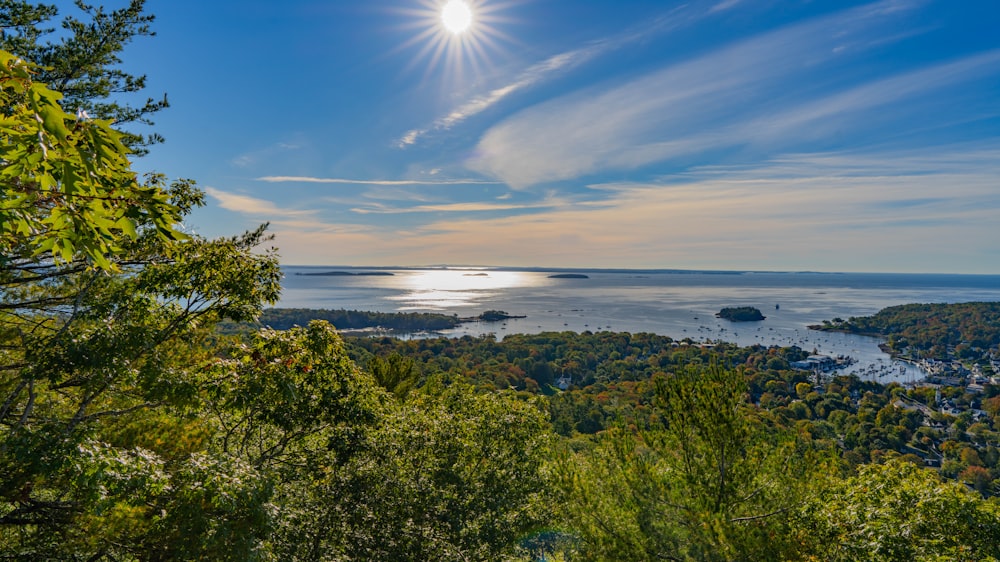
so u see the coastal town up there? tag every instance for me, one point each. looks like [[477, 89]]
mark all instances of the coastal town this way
[[948, 419]]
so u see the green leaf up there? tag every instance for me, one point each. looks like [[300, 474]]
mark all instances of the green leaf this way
[[126, 226]]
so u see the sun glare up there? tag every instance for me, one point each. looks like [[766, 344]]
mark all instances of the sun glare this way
[[441, 289], [458, 35], [456, 16]]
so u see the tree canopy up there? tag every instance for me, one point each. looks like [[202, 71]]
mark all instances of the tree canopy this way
[[82, 60], [68, 188]]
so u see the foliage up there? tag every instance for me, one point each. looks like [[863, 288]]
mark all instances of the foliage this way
[[614, 376], [935, 331], [67, 184], [285, 318], [450, 474], [103, 310], [396, 374], [282, 408], [897, 511], [609, 374], [82, 59], [77, 373], [713, 483]]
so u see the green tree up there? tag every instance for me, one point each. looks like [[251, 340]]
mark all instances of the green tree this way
[[68, 188], [82, 60], [281, 409], [103, 307], [450, 474], [395, 373], [716, 482], [898, 511], [104, 351]]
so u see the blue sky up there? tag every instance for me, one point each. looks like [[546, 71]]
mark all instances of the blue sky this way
[[719, 134]]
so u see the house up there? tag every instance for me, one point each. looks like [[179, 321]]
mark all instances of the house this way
[[815, 362]]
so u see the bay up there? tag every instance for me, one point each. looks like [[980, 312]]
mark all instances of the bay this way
[[679, 304]]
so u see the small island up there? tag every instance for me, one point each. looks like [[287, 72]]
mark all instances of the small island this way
[[345, 273], [740, 314], [492, 316], [569, 276]]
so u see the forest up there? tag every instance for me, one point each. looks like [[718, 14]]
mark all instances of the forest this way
[[398, 322], [133, 428], [613, 379], [943, 332]]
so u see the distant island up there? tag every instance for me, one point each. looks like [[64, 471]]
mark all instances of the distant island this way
[[491, 316], [345, 273], [569, 276], [740, 314], [475, 275]]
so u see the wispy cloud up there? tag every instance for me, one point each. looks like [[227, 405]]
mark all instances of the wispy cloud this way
[[308, 179], [724, 5], [560, 63], [805, 117], [253, 206], [908, 210], [474, 207], [969, 160], [695, 106], [283, 221], [530, 77], [396, 193], [841, 211]]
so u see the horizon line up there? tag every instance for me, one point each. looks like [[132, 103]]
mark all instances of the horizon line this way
[[461, 267]]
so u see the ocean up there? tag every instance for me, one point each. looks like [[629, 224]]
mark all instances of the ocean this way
[[671, 303]]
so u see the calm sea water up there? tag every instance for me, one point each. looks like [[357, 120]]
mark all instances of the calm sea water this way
[[679, 305]]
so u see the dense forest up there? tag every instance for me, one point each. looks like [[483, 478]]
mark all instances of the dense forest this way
[[357, 320], [403, 322], [612, 379], [931, 331], [132, 429]]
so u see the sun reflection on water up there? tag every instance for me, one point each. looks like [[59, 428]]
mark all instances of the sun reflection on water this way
[[455, 288]]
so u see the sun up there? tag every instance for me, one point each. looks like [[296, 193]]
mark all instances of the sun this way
[[458, 36], [456, 16]]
